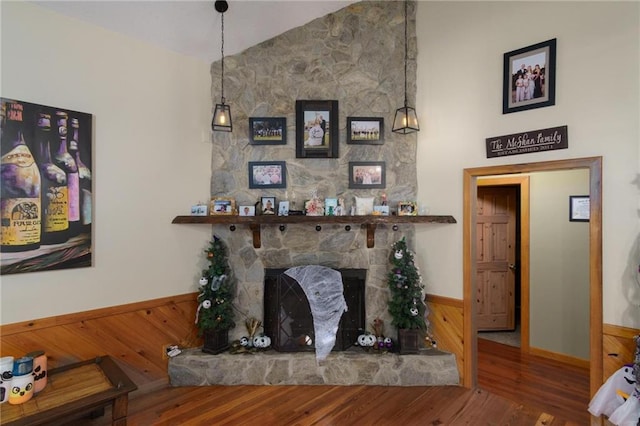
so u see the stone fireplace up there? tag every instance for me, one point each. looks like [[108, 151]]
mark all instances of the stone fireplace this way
[[354, 56]]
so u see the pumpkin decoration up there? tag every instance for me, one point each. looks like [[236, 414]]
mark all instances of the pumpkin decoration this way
[[261, 342], [367, 340]]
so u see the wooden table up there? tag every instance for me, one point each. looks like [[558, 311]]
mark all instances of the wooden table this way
[[75, 390]]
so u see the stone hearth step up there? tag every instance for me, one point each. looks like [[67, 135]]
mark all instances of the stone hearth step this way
[[430, 367]]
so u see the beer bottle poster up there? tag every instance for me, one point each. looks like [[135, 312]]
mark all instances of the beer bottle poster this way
[[46, 187]]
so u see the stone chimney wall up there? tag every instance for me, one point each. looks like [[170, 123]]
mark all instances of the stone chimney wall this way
[[354, 56]]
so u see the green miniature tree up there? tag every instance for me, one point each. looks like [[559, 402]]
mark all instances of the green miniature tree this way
[[215, 310], [406, 306]]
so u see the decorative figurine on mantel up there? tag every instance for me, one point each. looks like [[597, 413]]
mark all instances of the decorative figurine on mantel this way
[[314, 206]]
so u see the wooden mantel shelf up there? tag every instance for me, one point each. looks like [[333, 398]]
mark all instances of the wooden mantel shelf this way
[[255, 222]]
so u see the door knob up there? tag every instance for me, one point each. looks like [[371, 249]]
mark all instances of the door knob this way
[[512, 266]]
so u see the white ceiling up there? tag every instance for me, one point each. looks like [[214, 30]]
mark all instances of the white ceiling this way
[[193, 27]]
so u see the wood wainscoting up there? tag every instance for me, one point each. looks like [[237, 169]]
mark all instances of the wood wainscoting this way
[[446, 318], [619, 348], [134, 335]]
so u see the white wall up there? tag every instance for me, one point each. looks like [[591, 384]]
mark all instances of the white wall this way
[[559, 265], [152, 158], [459, 102]]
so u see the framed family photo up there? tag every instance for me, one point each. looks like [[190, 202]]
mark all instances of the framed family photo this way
[[222, 206], [317, 129], [267, 174], [268, 131], [365, 130], [407, 208], [367, 174], [529, 77]]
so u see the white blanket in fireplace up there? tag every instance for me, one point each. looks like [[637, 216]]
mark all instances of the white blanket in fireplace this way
[[324, 291]]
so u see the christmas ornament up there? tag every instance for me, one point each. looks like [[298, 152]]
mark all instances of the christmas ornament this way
[[398, 254], [216, 282], [206, 304], [210, 255], [203, 281], [414, 311]]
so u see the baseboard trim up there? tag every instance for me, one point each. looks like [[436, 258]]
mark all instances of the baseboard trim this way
[[441, 300], [567, 359]]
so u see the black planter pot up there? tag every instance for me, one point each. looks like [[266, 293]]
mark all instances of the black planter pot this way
[[409, 341], [215, 341]]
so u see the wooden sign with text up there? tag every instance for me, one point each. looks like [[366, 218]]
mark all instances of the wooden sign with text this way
[[528, 142]]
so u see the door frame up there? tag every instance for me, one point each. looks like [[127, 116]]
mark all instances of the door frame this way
[[523, 267], [469, 331]]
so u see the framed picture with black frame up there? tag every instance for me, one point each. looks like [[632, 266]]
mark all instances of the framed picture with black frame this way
[[365, 130], [529, 79], [367, 174], [579, 208], [317, 129], [268, 131], [267, 174]]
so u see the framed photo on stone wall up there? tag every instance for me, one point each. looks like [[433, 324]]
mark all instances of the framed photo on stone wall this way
[[529, 79], [367, 174], [267, 174], [317, 129], [365, 130], [268, 131]]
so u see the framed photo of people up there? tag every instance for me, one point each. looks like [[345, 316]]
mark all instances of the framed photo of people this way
[[365, 130], [222, 206], [529, 77], [317, 129], [268, 131], [367, 174], [267, 174]]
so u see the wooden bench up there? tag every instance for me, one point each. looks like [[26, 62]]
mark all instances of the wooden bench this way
[[75, 390]]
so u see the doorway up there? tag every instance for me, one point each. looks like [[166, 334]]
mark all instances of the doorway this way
[[498, 241], [470, 276]]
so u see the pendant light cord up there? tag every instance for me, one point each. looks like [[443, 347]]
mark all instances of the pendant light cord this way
[[222, 52], [406, 50]]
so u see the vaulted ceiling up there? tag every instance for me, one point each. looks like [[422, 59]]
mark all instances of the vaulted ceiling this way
[[193, 27]]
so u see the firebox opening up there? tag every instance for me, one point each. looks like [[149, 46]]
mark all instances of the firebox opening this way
[[287, 315]]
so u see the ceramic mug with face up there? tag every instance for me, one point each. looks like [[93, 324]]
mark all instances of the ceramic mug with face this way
[[6, 376], [21, 389], [22, 382], [39, 372]]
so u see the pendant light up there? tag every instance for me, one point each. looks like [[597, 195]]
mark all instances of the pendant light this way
[[406, 120], [222, 114]]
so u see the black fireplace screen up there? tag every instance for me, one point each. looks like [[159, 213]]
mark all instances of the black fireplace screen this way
[[287, 315]]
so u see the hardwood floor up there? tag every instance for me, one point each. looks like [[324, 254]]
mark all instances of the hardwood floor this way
[[558, 389], [515, 389]]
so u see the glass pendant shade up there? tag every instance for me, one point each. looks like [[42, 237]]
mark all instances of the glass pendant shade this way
[[406, 120], [222, 118], [221, 121]]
